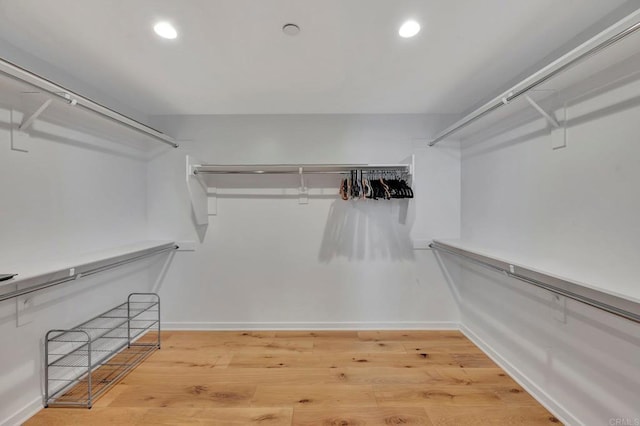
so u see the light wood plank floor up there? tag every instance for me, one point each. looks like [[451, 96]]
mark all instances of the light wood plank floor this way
[[312, 378]]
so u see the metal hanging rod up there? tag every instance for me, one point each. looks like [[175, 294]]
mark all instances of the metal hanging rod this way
[[59, 92], [607, 302], [44, 281], [556, 67], [285, 169]]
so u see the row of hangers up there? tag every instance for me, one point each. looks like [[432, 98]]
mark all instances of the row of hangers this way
[[375, 185]]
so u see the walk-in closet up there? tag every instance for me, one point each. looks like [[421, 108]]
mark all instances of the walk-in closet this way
[[319, 212]]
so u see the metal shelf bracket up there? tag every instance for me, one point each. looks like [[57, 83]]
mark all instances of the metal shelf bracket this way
[[558, 130]]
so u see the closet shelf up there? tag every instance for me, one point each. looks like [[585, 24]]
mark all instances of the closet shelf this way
[[38, 276], [592, 62], [203, 196], [296, 168], [617, 303], [35, 95]]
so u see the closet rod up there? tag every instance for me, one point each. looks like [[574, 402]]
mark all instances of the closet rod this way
[[612, 304], [59, 92], [554, 68], [260, 172], [80, 272], [276, 172], [285, 169]]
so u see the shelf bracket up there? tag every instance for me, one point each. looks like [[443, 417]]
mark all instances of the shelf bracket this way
[[550, 119], [33, 117], [24, 310], [558, 131], [303, 190], [19, 138], [19, 135]]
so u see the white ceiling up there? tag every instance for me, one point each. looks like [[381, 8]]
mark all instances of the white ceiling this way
[[232, 58]]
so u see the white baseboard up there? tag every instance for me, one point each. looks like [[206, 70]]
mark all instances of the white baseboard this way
[[24, 414], [533, 389], [242, 326]]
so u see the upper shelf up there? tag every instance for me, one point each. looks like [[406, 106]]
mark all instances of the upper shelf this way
[[296, 168], [609, 57], [33, 95]]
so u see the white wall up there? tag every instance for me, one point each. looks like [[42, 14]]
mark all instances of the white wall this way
[[61, 199], [266, 261], [572, 212]]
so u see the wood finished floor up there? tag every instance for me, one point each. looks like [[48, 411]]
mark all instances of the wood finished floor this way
[[312, 378]]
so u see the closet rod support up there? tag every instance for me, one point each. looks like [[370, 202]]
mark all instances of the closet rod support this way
[[70, 100], [33, 117], [550, 119]]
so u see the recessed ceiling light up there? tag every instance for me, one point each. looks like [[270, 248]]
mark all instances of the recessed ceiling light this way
[[409, 29], [165, 30], [290, 29]]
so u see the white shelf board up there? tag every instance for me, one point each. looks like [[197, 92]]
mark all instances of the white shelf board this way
[[32, 273], [623, 285]]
